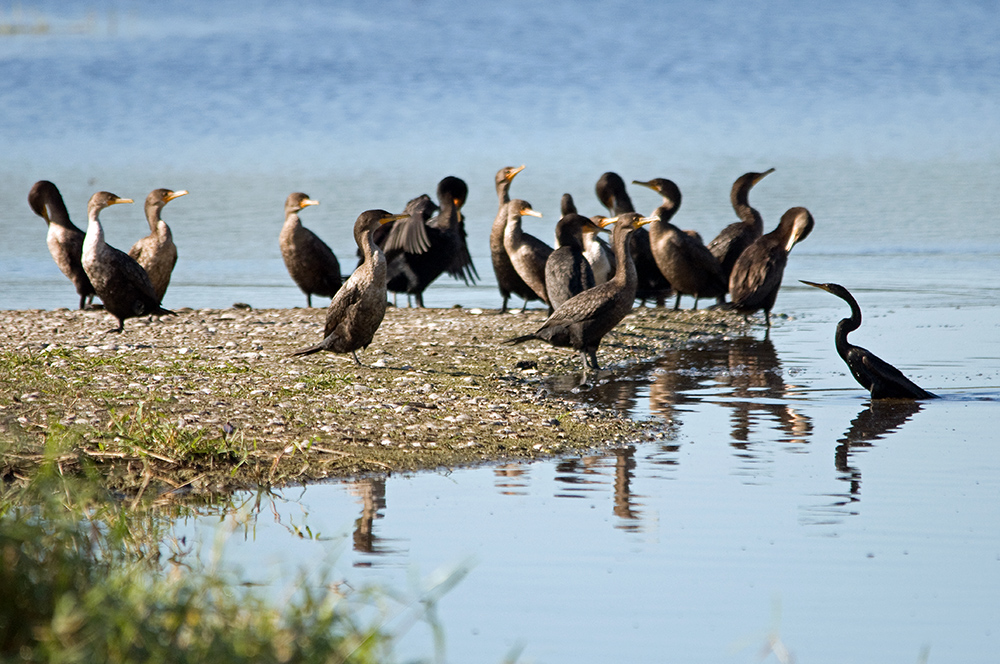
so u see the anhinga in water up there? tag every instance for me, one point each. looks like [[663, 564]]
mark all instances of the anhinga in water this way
[[120, 282], [64, 239], [156, 252], [508, 280], [357, 310], [311, 263], [419, 248], [567, 271], [735, 238], [583, 320], [652, 285], [680, 255], [756, 276], [527, 253], [883, 380]]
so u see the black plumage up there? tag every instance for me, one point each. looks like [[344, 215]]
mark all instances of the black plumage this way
[[64, 239], [734, 239], [120, 282], [527, 253], [509, 282], [599, 253], [583, 320], [311, 263], [357, 310], [756, 276], [567, 271], [880, 378]]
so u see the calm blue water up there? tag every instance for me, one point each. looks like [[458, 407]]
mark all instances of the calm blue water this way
[[877, 533]]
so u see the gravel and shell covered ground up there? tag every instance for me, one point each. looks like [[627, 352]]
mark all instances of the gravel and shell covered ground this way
[[211, 401]]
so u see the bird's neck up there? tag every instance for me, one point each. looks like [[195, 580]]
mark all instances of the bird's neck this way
[[153, 217], [625, 275], [748, 215], [512, 234], [94, 238]]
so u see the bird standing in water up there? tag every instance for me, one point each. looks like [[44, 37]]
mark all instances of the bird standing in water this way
[[156, 252], [357, 310], [734, 239], [583, 320], [311, 263], [120, 282], [64, 239], [880, 378], [756, 276]]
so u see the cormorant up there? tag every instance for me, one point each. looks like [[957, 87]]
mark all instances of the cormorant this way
[[567, 271], [526, 252], [883, 380], [64, 239], [583, 320], [598, 252], [756, 276], [680, 255], [311, 263], [119, 281], [735, 238], [156, 252], [508, 280], [610, 189], [418, 250], [356, 311]]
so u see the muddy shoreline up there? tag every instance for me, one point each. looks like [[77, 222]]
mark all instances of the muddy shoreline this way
[[210, 400]]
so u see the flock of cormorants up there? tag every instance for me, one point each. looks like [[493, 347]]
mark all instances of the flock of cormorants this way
[[588, 285]]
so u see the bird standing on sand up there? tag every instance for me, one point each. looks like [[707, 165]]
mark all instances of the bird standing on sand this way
[[583, 320], [64, 239], [311, 263], [508, 280], [357, 310], [880, 378], [598, 252], [120, 282], [156, 252], [567, 271], [681, 256], [756, 276], [526, 252], [734, 239]]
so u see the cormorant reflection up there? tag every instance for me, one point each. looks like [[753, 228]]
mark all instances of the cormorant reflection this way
[[880, 418], [371, 491], [583, 475]]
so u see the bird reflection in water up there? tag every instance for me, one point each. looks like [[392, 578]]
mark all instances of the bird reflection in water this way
[[744, 374], [511, 479], [879, 419], [583, 476], [371, 491]]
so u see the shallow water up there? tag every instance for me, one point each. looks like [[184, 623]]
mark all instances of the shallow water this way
[[774, 483]]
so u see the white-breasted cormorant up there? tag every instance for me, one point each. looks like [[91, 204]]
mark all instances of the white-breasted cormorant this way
[[357, 310], [508, 280], [599, 253], [311, 263], [156, 252], [526, 252], [756, 276], [120, 282], [880, 378], [64, 239]]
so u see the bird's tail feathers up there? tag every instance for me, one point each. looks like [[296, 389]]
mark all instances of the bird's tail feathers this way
[[308, 350], [520, 340]]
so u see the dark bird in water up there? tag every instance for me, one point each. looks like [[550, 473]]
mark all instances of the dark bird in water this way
[[418, 249], [883, 380], [156, 252], [527, 253], [610, 189], [680, 255], [311, 263], [598, 252], [508, 280], [756, 277], [119, 281], [567, 271], [583, 320], [357, 310], [734, 239], [64, 239]]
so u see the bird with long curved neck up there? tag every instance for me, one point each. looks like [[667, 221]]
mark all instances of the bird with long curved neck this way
[[583, 320], [156, 252], [735, 238], [64, 239], [357, 310], [120, 282], [508, 280], [880, 378]]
